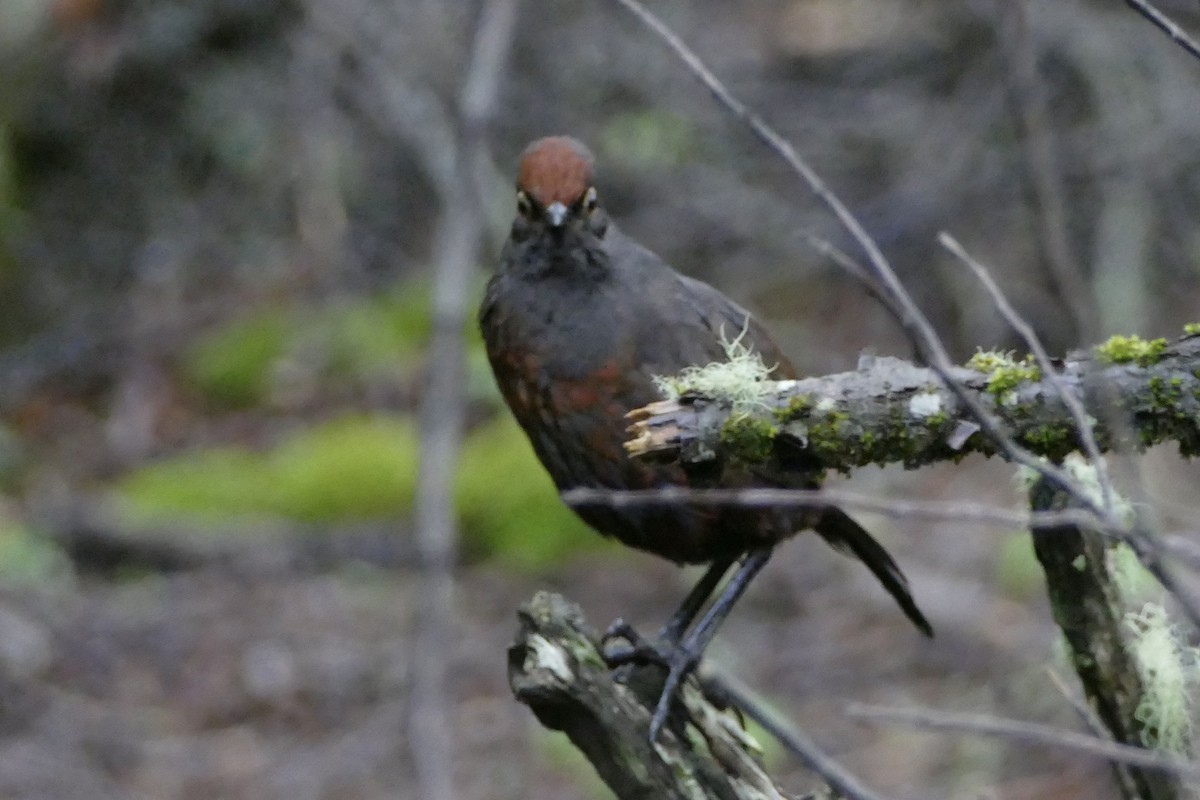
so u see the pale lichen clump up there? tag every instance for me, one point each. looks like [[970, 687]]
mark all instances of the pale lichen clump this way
[[1084, 472], [1086, 479], [739, 381], [1169, 670], [1136, 584]]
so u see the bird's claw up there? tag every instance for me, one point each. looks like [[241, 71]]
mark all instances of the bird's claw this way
[[678, 659], [680, 663], [637, 649]]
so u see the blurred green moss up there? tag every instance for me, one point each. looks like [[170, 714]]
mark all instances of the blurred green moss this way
[[365, 467], [27, 556], [355, 467], [508, 505], [231, 366], [384, 332]]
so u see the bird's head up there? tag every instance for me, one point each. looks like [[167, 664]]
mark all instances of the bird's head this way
[[555, 194]]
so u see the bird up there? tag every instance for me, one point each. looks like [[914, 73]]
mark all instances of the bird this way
[[577, 321]]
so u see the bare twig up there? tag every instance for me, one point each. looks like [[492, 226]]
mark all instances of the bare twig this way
[[1166, 25], [987, 725], [891, 507], [1089, 717], [1085, 714], [795, 740], [443, 409], [1082, 423], [1180, 546]]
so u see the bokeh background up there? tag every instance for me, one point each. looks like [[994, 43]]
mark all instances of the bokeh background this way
[[219, 224]]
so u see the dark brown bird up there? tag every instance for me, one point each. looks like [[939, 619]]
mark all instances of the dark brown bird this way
[[577, 322]]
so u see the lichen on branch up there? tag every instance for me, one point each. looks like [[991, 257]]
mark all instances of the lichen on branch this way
[[891, 411]]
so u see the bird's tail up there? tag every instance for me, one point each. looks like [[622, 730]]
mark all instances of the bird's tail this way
[[847, 536]]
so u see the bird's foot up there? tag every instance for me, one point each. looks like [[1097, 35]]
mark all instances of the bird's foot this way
[[636, 650], [679, 659]]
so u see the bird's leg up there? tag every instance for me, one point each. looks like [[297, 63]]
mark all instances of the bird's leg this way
[[684, 657], [639, 649], [672, 632]]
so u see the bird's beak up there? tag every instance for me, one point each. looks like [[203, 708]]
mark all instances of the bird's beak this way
[[556, 213]]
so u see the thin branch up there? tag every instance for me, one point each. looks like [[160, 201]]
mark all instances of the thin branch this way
[[987, 725], [1179, 546], [796, 741], [444, 408], [1082, 710], [1166, 25], [893, 508], [1082, 424], [1145, 544]]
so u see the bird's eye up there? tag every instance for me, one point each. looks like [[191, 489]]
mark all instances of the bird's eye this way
[[589, 199], [524, 207]]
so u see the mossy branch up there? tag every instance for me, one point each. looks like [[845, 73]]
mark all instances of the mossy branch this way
[[555, 668], [891, 411]]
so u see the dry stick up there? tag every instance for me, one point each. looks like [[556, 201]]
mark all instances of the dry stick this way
[[892, 508], [443, 410], [1082, 709], [837, 776], [1074, 406], [844, 260], [1088, 715], [1166, 25], [914, 323], [987, 725], [1179, 546]]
